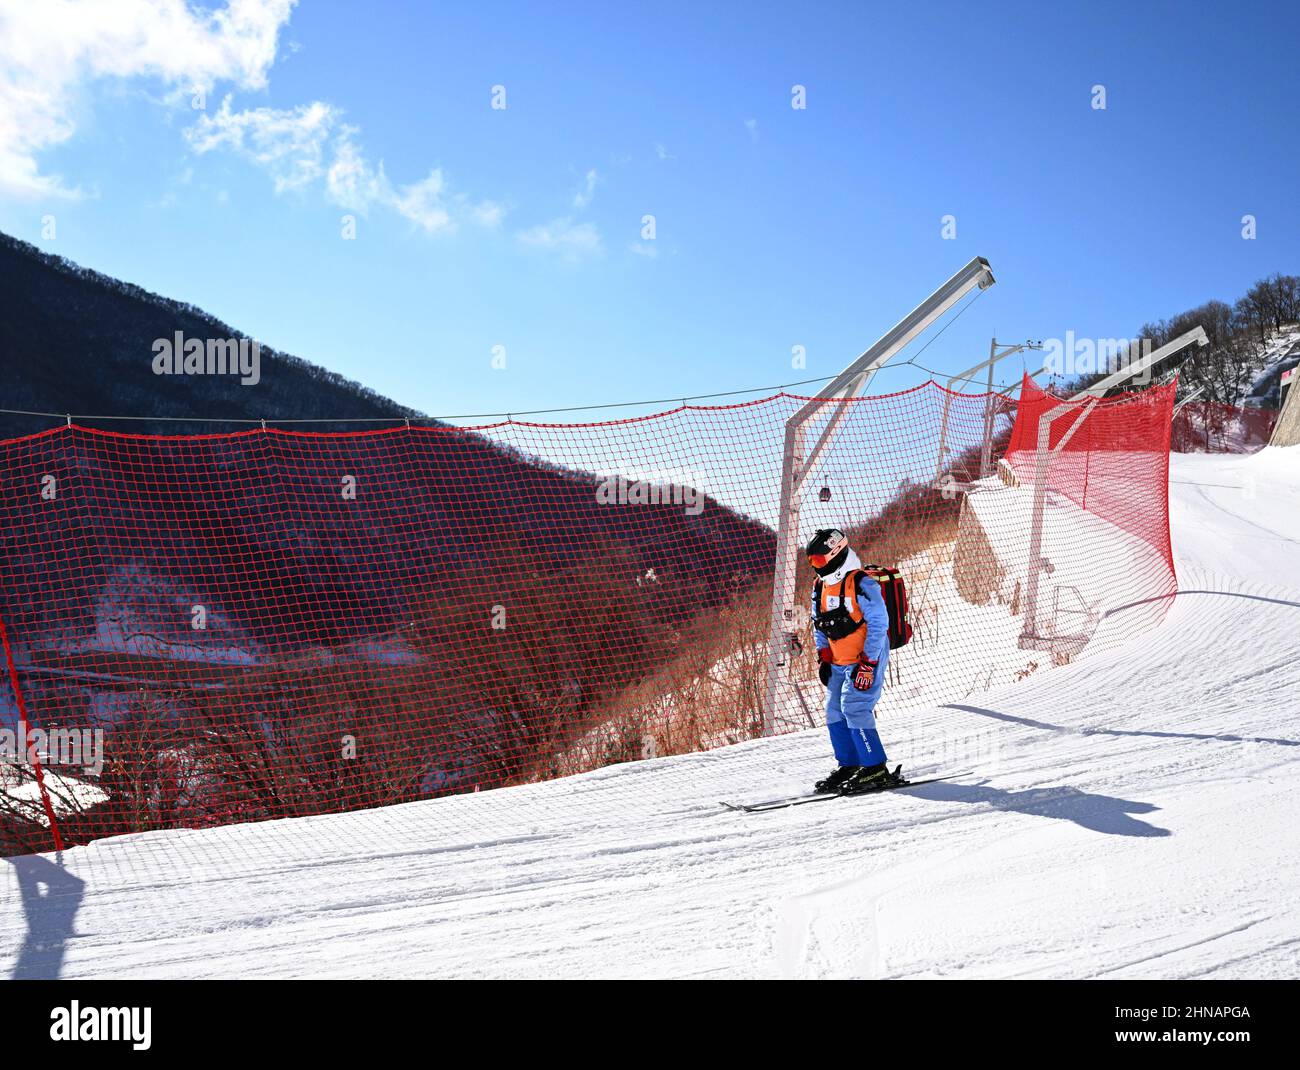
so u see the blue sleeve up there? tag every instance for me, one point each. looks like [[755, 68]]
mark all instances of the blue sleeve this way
[[872, 604], [820, 640]]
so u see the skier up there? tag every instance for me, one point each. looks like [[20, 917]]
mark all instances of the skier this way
[[851, 630]]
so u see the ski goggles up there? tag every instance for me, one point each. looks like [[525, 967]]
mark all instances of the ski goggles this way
[[837, 542]]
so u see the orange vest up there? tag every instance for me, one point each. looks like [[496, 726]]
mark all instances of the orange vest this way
[[845, 651]]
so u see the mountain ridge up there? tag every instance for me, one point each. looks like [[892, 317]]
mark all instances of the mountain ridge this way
[[105, 366]]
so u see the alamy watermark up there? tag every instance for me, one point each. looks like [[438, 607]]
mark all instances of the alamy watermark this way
[[77, 748], [652, 488], [1072, 356], [133, 1025], [179, 355]]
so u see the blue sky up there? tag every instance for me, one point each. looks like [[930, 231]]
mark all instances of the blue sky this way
[[775, 227]]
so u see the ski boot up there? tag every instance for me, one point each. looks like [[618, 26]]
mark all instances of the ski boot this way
[[869, 778], [832, 784]]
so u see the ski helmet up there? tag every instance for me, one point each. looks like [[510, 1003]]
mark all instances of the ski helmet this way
[[827, 550]]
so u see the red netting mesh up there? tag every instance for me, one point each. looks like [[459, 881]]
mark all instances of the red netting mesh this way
[[1213, 427], [276, 624], [1114, 464]]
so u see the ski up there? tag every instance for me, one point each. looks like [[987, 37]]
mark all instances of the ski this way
[[800, 800]]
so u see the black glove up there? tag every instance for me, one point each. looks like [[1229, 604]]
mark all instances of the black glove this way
[[824, 668]]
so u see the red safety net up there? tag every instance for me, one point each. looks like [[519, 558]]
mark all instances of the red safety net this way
[[1213, 427], [275, 624], [1111, 456]]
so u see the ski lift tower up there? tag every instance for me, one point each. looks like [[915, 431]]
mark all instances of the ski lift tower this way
[[798, 461]]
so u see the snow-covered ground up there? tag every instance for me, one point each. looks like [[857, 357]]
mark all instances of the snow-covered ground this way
[[1131, 814]]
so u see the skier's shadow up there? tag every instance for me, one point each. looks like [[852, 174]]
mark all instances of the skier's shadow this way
[[51, 897], [1100, 813]]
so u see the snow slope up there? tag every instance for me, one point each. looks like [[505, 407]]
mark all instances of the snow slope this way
[[1130, 814]]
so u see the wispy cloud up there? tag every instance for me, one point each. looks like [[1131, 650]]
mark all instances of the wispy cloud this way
[[487, 213], [752, 126], [311, 144], [571, 239], [50, 50], [662, 153], [289, 144], [588, 190]]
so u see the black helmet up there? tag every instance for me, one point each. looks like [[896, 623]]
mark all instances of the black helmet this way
[[827, 550]]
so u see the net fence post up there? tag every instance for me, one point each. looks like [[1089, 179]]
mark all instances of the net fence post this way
[[1043, 458], [780, 649], [21, 707], [997, 352], [986, 446], [1134, 368], [795, 466]]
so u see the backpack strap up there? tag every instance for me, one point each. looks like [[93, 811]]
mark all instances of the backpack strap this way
[[844, 586], [856, 574]]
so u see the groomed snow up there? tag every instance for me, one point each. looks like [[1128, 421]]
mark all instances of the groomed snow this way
[[1129, 815]]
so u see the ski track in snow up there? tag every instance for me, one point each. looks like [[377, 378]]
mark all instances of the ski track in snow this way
[[1128, 815]]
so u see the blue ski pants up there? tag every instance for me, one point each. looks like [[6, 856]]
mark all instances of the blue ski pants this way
[[851, 716]]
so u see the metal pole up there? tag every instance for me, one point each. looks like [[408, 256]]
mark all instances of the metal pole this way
[[828, 433], [986, 448], [1190, 397], [795, 466], [782, 623], [1042, 461], [1032, 375], [994, 357], [1132, 371], [1043, 458], [943, 436]]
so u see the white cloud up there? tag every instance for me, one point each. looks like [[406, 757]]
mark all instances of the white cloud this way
[[290, 144], [487, 213], [423, 202], [50, 49], [350, 181], [565, 236], [572, 240], [301, 146], [752, 126], [584, 195], [663, 153], [643, 248]]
